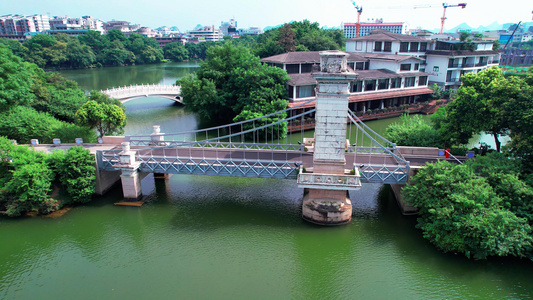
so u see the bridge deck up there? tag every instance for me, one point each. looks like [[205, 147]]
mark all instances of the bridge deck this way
[[258, 163]]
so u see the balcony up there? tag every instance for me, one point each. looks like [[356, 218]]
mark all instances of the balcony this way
[[481, 64], [494, 62], [453, 79]]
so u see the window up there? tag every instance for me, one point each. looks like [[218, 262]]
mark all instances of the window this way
[[357, 87], [306, 68], [387, 47], [291, 91], [370, 85], [305, 91], [414, 47], [359, 46], [360, 65], [404, 46], [377, 46], [395, 83], [367, 65], [405, 67], [435, 69], [351, 65], [383, 84], [417, 66], [423, 47], [409, 82], [422, 80], [451, 64], [292, 68]]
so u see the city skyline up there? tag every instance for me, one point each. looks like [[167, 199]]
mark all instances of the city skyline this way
[[275, 12]]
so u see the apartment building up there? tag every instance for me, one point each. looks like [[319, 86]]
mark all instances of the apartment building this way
[[205, 34], [365, 28], [19, 25], [444, 60], [451, 59]]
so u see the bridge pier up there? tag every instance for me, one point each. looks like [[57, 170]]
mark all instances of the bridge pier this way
[[130, 177], [327, 202]]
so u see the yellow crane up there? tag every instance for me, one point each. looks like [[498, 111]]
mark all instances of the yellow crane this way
[[446, 5]]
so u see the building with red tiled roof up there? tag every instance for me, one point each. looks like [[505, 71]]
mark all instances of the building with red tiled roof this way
[[383, 81]]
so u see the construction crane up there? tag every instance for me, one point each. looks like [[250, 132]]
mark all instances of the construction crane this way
[[359, 11], [446, 5]]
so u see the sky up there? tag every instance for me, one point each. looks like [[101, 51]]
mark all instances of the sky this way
[[252, 13]]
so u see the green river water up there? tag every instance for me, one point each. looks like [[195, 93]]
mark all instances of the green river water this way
[[202, 237]]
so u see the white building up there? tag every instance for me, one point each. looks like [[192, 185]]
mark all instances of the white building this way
[[444, 60], [365, 28], [452, 59], [21, 24], [206, 34]]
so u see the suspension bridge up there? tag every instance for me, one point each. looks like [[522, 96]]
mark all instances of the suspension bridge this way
[[343, 154], [126, 93]]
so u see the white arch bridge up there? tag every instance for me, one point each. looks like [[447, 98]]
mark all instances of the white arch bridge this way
[[126, 93]]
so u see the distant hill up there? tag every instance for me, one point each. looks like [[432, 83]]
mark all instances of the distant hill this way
[[493, 26]]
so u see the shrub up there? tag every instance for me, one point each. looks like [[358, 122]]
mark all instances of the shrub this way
[[460, 212]]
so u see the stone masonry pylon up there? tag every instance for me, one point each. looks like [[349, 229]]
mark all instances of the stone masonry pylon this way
[[325, 203]]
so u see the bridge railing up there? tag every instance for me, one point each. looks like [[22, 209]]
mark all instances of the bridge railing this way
[[267, 129], [379, 147], [136, 90]]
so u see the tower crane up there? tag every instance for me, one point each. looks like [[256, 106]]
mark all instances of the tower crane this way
[[359, 11], [446, 5]]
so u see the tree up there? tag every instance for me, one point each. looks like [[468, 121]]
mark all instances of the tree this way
[[57, 96], [232, 83], [479, 106], [298, 36], [27, 184], [15, 80], [460, 212], [107, 119], [286, 38], [75, 171], [438, 92], [25, 123], [175, 52], [79, 55], [413, 131]]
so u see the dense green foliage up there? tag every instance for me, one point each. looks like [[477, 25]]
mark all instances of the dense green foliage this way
[[39, 105], [25, 123], [15, 80], [107, 119], [484, 207], [27, 176], [479, 106], [92, 48], [413, 131], [176, 52], [115, 49], [298, 36], [233, 85], [463, 212], [25, 181], [55, 95], [75, 172]]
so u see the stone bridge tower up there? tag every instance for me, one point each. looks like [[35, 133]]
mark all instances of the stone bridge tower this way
[[327, 201]]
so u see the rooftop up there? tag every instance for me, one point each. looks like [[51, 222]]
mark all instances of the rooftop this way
[[460, 52], [305, 57], [307, 78], [389, 57], [387, 36]]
